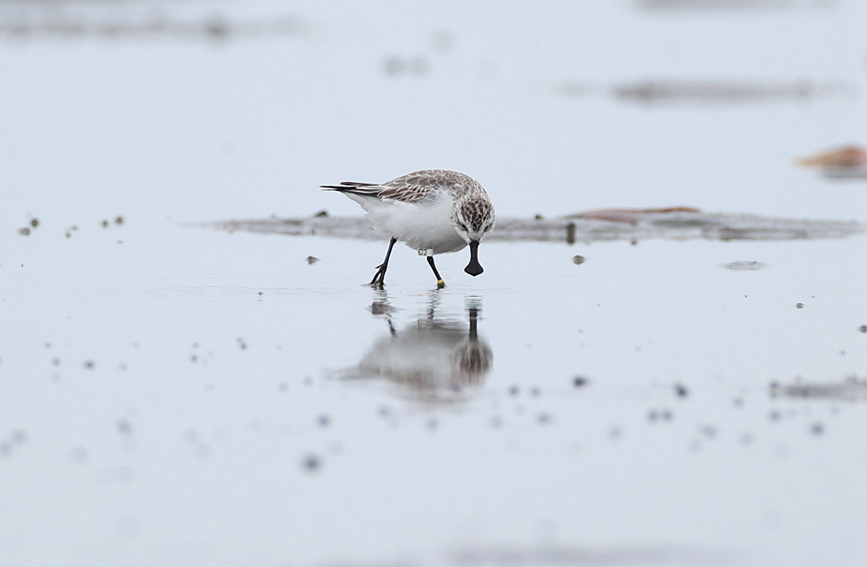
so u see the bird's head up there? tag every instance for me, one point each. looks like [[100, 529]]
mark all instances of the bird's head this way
[[473, 219]]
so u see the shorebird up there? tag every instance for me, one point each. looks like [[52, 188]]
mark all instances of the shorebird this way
[[434, 211]]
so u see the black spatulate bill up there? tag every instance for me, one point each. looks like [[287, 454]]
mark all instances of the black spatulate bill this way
[[474, 268]]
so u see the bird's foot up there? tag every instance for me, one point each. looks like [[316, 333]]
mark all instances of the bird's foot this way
[[378, 278], [441, 284], [376, 282]]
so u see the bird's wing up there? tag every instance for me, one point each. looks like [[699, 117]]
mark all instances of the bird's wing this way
[[416, 187]]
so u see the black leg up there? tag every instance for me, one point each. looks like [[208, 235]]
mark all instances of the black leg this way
[[440, 282], [379, 277]]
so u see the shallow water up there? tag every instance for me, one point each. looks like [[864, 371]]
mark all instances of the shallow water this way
[[227, 373], [681, 388]]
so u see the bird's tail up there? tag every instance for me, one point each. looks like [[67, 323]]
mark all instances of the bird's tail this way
[[355, 187]]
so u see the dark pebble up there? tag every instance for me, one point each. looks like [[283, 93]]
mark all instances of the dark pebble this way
[[124, 427], [681, 390], [578, 259], [799, 305], [312, 259], [311, 463], [863, 328], [660, 415], [34, 223], [580, 381], [89, 364]]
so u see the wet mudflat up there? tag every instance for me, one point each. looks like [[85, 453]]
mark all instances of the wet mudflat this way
[[635, 409], [664, 362]]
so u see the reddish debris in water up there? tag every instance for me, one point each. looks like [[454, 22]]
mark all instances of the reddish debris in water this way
[[845, 156], [630, 215]]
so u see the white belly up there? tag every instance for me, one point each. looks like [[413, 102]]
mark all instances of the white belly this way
[[425, 226]]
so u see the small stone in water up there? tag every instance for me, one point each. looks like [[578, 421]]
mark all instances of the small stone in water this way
[[578, 259], [799, 305], [709, 431], [311, 463], [579, 381], [124, 427]]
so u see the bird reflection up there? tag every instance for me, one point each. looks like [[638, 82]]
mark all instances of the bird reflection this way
[[436, 360]]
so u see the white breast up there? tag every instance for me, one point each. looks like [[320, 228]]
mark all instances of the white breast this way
[[422, 226]]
